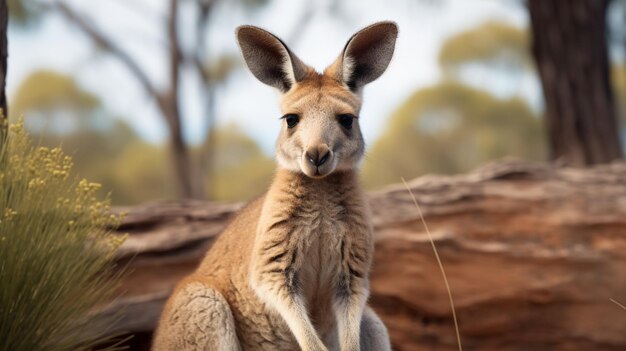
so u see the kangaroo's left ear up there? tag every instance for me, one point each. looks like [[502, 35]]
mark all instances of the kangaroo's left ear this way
[[366, 55]]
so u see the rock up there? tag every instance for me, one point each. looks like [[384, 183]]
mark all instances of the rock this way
[[533, 255]]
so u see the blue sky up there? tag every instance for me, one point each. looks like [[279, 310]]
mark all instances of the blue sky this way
[[136, 26]]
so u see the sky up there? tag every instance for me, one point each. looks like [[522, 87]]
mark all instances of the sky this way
[[136, 25]]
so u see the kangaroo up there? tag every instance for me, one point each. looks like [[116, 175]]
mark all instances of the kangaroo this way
[[291, 270]]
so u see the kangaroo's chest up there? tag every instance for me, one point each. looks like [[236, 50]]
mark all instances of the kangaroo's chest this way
[[322, 233], [323, 237], [321, 250]]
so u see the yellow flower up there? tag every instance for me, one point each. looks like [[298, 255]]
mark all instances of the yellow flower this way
[[9, 214], [36, 183]]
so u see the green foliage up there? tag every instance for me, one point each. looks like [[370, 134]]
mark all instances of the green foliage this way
[[131, 170], [94, 150], [241, 168], [222, 67], [56, 253], [53, 103], [249, 5], [489, 42], [452, 128], [618, 77], [48, 91], [24, 12], [141, 172]]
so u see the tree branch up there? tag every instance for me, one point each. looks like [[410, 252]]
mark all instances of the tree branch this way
[[142, 9], [200, 56], [108, 45], [303, 21], [174, 46]]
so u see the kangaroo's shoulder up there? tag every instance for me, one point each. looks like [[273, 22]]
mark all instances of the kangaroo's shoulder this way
[[248, 216], [232, 247]]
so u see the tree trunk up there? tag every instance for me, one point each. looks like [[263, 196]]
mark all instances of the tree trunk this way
[[570, 49], [180, 155], [188, 177], [183, 164], [534, 255], [4, 112]]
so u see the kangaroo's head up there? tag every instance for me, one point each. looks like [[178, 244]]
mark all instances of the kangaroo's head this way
[[320, 132]]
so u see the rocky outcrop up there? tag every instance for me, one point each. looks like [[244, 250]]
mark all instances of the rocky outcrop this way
[[535, 257]]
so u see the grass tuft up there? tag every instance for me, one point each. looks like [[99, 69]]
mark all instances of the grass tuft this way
[[617, 303], [56, 253], [443, 272]]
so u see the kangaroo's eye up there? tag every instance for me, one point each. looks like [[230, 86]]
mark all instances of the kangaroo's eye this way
[[345, 120], [292, 119]]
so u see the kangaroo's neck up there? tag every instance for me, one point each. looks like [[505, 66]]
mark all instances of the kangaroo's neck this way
[[314, 205], [334, 197], [301, 187]]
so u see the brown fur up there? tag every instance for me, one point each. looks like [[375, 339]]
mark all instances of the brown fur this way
[[291, 271]]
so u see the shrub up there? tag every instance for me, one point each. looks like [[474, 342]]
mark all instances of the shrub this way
[[56, 253]]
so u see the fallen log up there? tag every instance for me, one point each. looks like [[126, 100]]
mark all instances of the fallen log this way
[[535, 257]]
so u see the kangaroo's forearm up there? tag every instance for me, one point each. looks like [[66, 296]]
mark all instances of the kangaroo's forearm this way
[[280, 290], [353, 288]]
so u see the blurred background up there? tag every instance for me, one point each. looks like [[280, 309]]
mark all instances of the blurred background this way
[[152, 100]]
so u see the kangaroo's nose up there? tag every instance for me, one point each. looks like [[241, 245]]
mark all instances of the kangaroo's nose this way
[[318, 155]]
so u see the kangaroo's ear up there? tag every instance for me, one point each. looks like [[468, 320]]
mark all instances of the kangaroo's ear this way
[[366, 55], [269, 59]]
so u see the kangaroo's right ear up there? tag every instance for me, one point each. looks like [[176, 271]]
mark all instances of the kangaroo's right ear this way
[[269, 59]]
